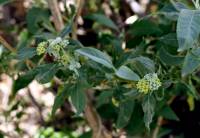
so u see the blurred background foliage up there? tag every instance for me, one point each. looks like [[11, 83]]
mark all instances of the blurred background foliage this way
[[138, 33]]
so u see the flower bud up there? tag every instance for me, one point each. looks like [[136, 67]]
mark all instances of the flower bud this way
[[41, 48], [150, 82]]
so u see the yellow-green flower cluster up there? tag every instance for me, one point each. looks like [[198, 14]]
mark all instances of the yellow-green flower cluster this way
[[57, 48], [143, 86], [52, 46], [64, 59], [150, 82], [41, 48]]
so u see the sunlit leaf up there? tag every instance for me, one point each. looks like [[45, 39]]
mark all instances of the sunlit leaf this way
[[96, 55], [126, 73], [188, 28]]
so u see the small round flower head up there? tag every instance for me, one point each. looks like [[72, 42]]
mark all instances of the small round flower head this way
[[150, 76], [78, 65], [64, 59], [154, 81], [74, 66], [155, 84], [56, 47], [41, 48], [151, 80], [55, 41], [64, 43], [143, 86]]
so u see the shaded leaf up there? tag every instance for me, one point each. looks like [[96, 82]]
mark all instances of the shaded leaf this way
[[78, 96], [125, 112], [104, 98], [36, 16], [23, 81], [27, 52], [3, 2], [102, 19], [170, 40], [169, 59], [168, 113], [46, 72], [171, 11], [67, 29], [60, 98], [145, 27]]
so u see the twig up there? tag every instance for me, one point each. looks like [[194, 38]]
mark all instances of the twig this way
[[6, 44], [57, 17], [39, 108], [160, 120], [79, 4], [91, 115], [94, 120]]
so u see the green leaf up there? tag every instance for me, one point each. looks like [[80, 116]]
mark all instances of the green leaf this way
[[3, 2], [170, 41], [125, 112], [135, 126], [126, 73], [78, 96], [60, 98], [191, 89], [188, 28], [142, 65], [23, 39], [148, 106], [77, 43], [171, 11], [169, 59], [168, 113], [23, 81], [36, 16], [132, 94], [1, 135], [102, 19], [27, 52], [144, 27], [66, 30], [191, 62], [104, 98], [44, 36], [46, 72], [146, 62], [96, 56]]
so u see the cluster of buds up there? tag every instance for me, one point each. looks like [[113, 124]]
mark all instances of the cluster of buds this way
[[150, 82], [56, 48], [41, 48], [52, 46]]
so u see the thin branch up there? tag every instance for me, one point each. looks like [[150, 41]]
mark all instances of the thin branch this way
[[57, 17], [6, 44], [93, 119], [160, 120], [79, 4], [35, 103]]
